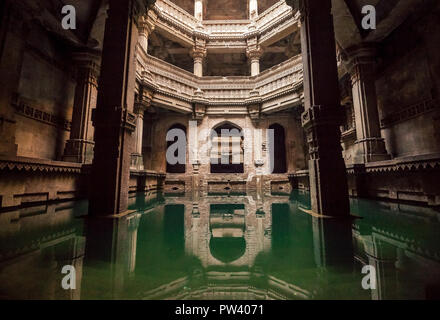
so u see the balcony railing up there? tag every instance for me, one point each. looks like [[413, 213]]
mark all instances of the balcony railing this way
[[180, 84], [272, 21]]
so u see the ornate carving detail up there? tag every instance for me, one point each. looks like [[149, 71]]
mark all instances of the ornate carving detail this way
[[410, 112], [254, 112], [199, 111], [24, 108], [278, 82], [175, 20], [24, 164]]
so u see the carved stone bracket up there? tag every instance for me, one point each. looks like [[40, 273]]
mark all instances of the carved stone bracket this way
[[118, 117], [254, 112], [318, 115], [199, 112]]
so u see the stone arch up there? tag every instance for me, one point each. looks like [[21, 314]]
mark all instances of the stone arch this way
[[232, 159]]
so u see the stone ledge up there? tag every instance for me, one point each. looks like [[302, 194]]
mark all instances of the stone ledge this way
[[428, 161], [43, 165]]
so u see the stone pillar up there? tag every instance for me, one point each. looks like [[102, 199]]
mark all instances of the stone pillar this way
[[114, 119], [199, 54], [13, 31], [141, 106], [79, 148], [254, 53], [198, 9], [371, 146], [323, 113], [253, 9], [146, 27]]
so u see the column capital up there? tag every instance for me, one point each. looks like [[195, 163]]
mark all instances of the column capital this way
[[147, 24], [144, 101], [361, 60], [199, 112], [198, 52], [88, 66], [254, 53]]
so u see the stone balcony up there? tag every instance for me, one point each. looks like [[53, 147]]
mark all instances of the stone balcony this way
[[275, 89], [270, 26]]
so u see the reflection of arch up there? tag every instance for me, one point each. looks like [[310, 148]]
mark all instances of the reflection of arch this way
[[227, 249], [178, 167], [227, 153], [278, 149]]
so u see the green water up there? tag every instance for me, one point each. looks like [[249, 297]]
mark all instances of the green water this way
[[221, 248]]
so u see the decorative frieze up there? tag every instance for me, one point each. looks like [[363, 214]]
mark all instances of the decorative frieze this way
[[409, 112], [278, 19], [25, 109], [276, 83]]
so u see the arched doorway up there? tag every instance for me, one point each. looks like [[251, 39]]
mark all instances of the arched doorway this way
[[227, 153], [278, 149], [176, 159]]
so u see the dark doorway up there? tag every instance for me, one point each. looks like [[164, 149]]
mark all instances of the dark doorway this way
[[278, 149], [231, 158]]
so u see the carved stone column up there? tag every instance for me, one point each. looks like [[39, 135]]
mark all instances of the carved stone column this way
[[79, 148], [254, 53], [371, 146], [199, 54], [198, 9], [114, 119], [146, 27], [140, 107], [253, 9], [323, 113]]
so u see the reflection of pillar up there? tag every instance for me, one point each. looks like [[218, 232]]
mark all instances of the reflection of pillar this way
[[382, 256], [114, 121], [198, 54], [321, 120], [198, 9], [113, 244], [253, 9], [332, 243], [79, 148], [371, 146]]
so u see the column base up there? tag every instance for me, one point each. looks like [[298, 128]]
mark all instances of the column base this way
[[137, 162], [371, 150], [80, 151]]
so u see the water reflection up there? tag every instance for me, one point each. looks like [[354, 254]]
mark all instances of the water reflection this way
[[218, 247]]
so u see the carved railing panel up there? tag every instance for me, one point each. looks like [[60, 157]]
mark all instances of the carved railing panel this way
[[169, 80]]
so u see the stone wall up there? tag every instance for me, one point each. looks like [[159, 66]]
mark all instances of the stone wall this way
[[408, 86], [155, 140], [44, 99]]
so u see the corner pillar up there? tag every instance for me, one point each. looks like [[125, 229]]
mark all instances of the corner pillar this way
[[79, 148], [371, 146], [198, 10], [254, 53], [140, 107], [199, 54], [323, 113], [114, 119]]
